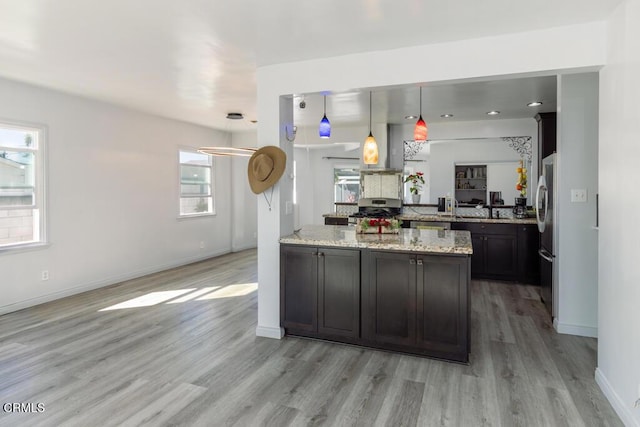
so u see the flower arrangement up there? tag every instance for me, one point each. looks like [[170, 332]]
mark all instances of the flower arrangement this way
[[521, 185], [416, 179]]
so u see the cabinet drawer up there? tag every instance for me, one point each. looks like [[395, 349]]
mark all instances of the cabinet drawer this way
[[485, 228]]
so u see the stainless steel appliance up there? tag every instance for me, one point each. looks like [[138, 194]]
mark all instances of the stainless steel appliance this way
[[376, 208], [495, 198], [546, 197], [520, 208]]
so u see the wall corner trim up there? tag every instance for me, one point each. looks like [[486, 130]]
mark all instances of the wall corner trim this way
[[270, 332], [618, 404]]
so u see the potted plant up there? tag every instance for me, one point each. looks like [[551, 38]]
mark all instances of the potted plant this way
[[416, 180]]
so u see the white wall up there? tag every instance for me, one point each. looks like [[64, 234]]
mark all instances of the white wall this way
[[618, 370], [113, 197], [244, 225], [577, 241]]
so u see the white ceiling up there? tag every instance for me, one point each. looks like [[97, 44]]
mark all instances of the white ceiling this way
[[195, 60]]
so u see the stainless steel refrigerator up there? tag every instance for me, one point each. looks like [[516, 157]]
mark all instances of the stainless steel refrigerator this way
[[546, 213]]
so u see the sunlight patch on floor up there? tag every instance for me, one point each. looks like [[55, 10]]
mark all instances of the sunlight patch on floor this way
[[231, 291], [149, 299], [193, 295]]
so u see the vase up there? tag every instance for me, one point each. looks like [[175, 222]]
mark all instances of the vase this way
[[415, 198]]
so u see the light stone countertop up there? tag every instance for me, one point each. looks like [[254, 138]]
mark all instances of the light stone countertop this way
[[447, 218], [408, 239]]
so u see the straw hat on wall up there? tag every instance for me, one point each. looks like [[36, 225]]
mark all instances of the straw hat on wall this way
[[266, 166]]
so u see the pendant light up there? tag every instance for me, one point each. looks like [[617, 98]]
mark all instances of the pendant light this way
[[370, 151], [325, 127], [420, 131]]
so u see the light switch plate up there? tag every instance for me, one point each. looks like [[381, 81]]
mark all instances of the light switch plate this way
[[579, 195], [288, 208]]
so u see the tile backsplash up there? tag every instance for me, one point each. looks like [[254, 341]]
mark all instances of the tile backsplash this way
[[433, 210]]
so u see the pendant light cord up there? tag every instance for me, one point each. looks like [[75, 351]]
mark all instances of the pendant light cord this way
[[420, 101], [369, 112]]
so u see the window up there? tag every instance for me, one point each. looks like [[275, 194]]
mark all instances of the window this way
[[196, 172], [21, 185], [346, 184]]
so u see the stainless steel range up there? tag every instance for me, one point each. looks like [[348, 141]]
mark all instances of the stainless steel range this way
[[376, 208]]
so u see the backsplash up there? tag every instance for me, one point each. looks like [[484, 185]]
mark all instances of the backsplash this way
[[466, 212], [433, 210]]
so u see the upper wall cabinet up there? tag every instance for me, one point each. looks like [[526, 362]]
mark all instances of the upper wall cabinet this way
[[546, 136]]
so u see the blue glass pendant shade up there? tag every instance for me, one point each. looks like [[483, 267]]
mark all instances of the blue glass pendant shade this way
[[325, 127]]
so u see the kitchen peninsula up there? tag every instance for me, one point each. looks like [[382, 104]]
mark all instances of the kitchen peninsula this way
[[406, 292]]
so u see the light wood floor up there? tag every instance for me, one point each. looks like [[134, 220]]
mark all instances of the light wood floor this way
[[194, 359]]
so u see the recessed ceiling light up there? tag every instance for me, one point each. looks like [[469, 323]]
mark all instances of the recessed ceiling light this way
[[235, 116], [446, 116], [410, 117], [534, 104], [254, 121], [493, 113]]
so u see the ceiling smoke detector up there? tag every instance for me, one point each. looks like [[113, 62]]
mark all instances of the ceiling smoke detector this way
[[235, 116]]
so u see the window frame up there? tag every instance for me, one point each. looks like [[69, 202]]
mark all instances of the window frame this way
[[39, 205], [212, 195]]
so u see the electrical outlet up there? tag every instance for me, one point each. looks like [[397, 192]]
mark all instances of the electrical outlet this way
[[45, 275], [201, 245], [579, 195]]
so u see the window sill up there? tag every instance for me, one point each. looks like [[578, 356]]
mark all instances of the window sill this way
[[25, 247], [181, 217]]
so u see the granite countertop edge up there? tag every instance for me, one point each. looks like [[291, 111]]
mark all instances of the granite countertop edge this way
[[410, 240]]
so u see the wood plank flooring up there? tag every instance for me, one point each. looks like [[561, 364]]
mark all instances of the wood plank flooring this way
[[179, 348]]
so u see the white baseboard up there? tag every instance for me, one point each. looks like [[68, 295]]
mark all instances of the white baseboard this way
[[270, 332], [243, 247], [618, 404], [579, 330], [111, 280]]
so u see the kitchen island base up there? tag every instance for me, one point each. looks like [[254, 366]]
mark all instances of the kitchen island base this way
[[404, 301]]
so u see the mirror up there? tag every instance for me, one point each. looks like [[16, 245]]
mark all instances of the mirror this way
[[470, 168]]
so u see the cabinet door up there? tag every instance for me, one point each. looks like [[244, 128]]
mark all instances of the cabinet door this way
[[501, 255], [339, 292], [442, 310], [528, 259], [391, 308], [546, 136], [298, 287]]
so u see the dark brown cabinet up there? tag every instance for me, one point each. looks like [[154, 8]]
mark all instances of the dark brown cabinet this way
[[390, 302], [503, 251], [546, 136], [417, 303], [320, 290], [528, 258]]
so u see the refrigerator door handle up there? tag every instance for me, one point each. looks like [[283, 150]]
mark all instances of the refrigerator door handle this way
[[546, 255], [540, 194]]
